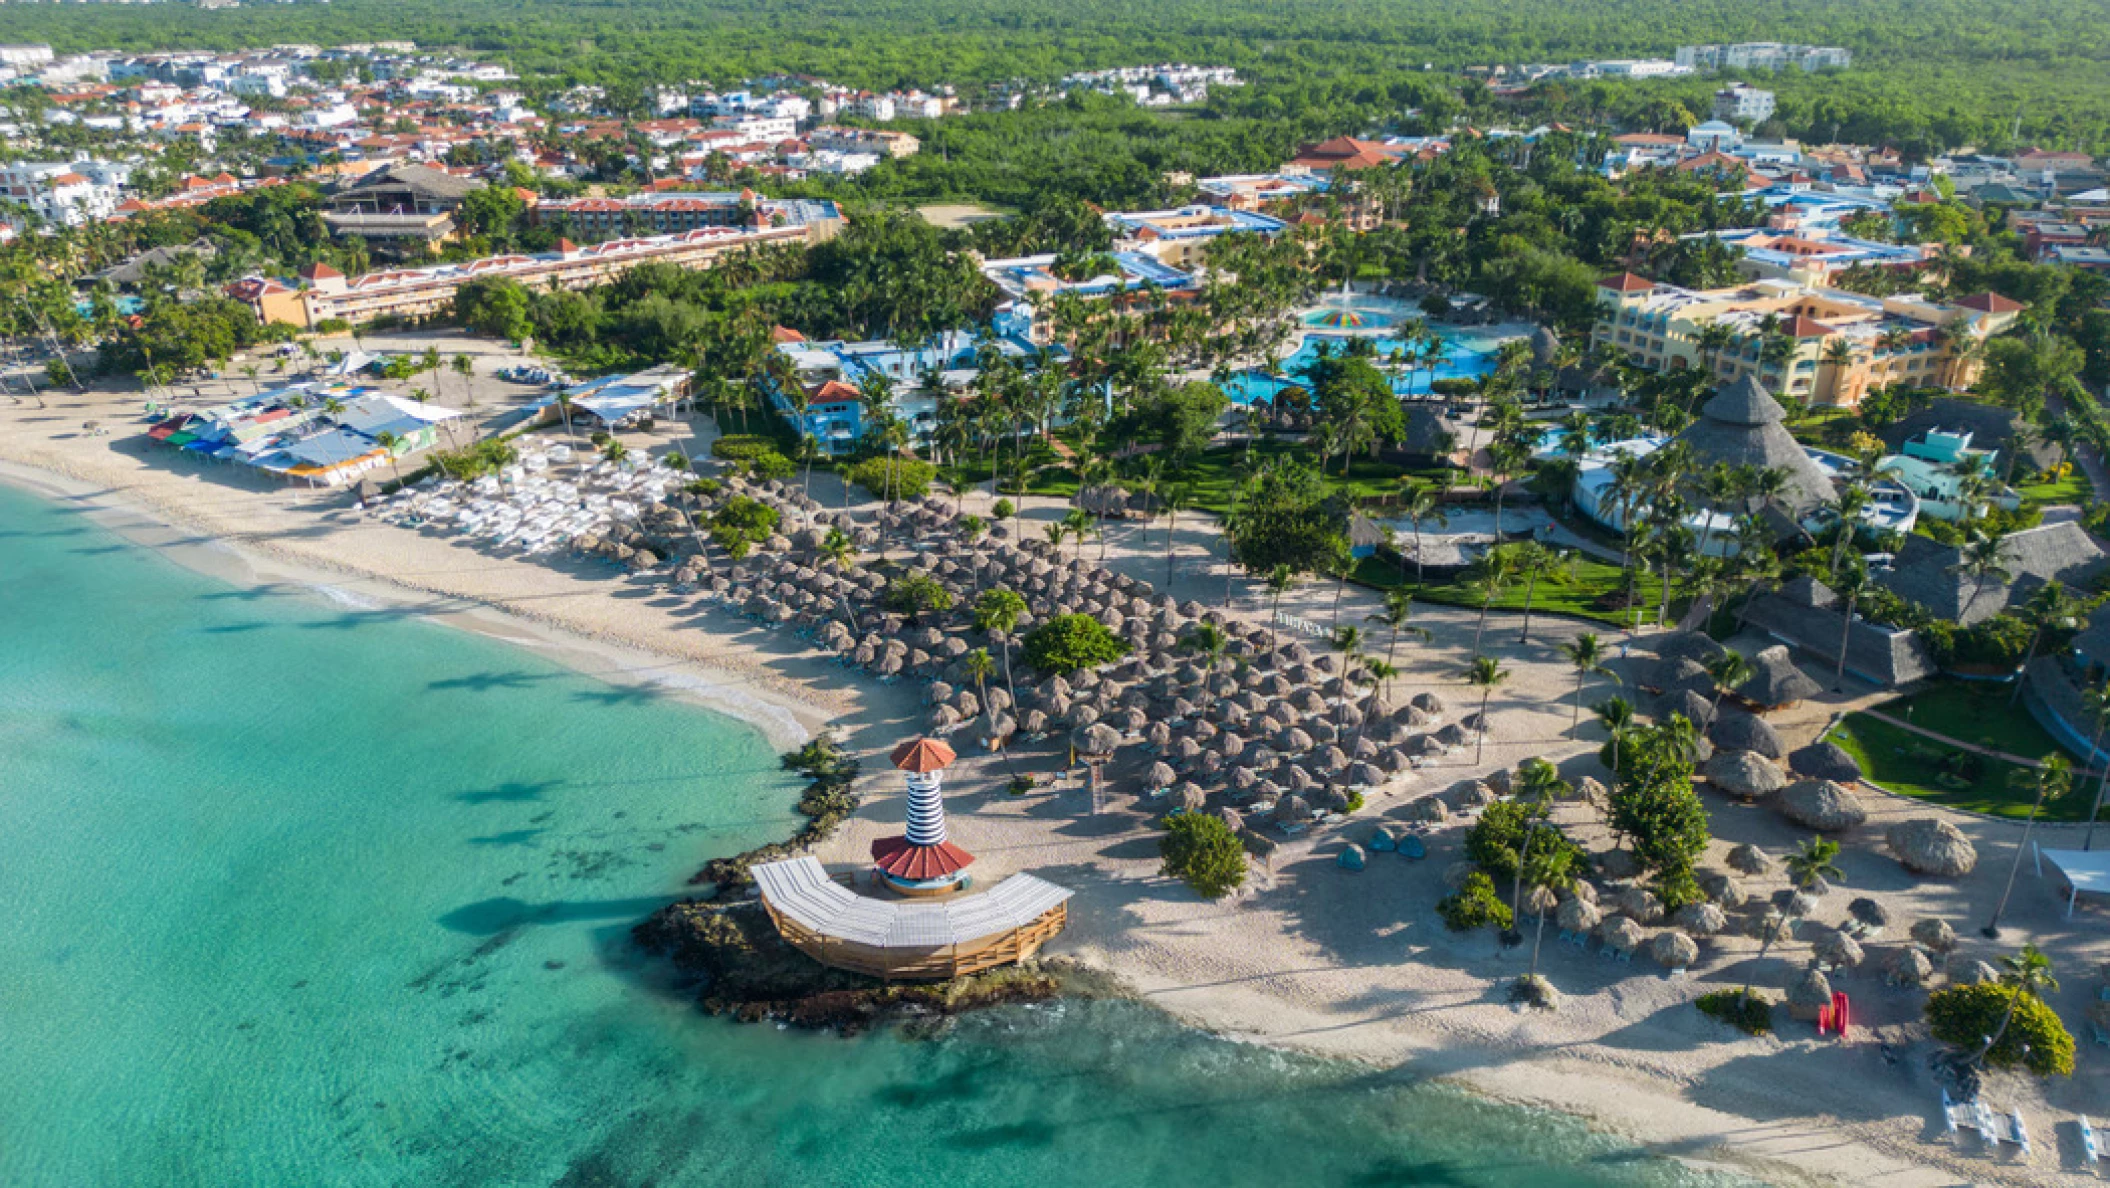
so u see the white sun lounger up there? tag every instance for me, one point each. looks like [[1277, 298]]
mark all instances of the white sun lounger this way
[[1948, 1113], [2018, 1134], [1982, 1120], [2089, 1146]]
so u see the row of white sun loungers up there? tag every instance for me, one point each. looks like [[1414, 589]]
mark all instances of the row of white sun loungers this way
[[532, 512], [1996, 1128]]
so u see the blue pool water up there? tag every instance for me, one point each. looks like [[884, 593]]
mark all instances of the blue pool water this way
[[1461, 362], [301, 893]]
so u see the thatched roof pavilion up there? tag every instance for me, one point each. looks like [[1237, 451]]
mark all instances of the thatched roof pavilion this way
[[1744, 426]]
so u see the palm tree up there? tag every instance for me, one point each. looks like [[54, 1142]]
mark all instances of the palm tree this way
[[465, 367], [1080, 524], [1279, 581], [1616, 715], [1980, 560], [1838, 355], [1420, 505], [1347, 642], [1208, 641], [1171, 500], [1533, 561], [2050, 780], [1728, 670], [1398, 609], [1375, 672], [1056, 534], [1814, 861], [563, 402], [1484, 674], [997, 612], [1547, 872], [1586, 653], [2027, 974], [391, 442], [1494, 571], [2050, 606], [2095, 700]]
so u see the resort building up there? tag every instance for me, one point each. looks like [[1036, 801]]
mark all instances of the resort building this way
[[1029, 280], [1739, 104], [1814, 256], [1742, 426], [836, 379], [405, 207], [1839, 345], [1180, 237], [1953, 480], [63, 193], [1932, 575], [1810, 617], [1257, 191], [323, 434], [422, 292], [622, 401], [666, 213]]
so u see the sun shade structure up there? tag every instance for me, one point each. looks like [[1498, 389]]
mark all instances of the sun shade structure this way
[[1742, 425], [2085, 870], [922, 861], [897, 940]]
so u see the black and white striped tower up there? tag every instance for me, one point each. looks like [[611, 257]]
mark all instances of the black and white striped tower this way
[[923, 861], [926, 808]]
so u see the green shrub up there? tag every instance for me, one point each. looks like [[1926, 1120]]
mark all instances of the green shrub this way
[[916, 594], [1751, 1014], [1475, 905], [742, 523], [1067, 643], [485, 457], [703, 486], [332, 326], [898, 478], [1201, 851], [1497, 838], [739, 447], [1677, 887], [769, 464], [1963, 1016]]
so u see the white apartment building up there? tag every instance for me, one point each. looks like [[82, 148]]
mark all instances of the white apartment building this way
[[24, 57], [1764, 55], [757, 127], [1739, 104], [64, 193]]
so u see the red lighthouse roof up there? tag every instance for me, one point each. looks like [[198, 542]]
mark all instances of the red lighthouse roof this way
[[923, 755], [916, 864]]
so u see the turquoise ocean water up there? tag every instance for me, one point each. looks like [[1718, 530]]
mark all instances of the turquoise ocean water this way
[[300, 892]]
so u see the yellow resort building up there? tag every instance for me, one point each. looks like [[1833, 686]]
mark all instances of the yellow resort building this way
[[1835, 346]]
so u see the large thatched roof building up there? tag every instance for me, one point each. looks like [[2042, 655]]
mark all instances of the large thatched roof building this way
[[1743, 426], [1807, 615], [1927, 572]]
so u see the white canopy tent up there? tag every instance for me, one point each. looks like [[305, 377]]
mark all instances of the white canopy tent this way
[[2085, 870]]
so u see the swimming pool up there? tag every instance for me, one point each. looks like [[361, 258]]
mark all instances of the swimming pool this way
[[1469, 356]]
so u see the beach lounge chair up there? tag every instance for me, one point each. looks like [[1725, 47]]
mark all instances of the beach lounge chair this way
[[1948, 1114], [2018, 1134], [1982, 1122], [2089, 1146]]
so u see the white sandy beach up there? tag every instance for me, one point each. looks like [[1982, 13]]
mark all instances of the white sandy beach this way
[[1353, 964]]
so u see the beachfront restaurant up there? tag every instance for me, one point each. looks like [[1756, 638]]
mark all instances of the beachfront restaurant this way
[[323, 434]]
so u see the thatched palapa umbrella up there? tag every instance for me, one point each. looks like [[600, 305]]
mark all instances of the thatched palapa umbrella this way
[[1929, 846], [1822, 805], [1744, 774], [1748, 859], [1576, 916], [1722, 889], [1837, 949], [1934, 934], [1869, 912], [1673, 950], [1910, 967], [1640, 903], [1701, 919], [1620, 934]]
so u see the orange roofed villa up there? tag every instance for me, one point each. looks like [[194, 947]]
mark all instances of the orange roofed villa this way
[[1836, 346]]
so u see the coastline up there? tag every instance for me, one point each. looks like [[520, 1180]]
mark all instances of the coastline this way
[[573, 618], [785, 719]]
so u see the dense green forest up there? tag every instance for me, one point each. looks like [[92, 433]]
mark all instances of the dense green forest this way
[[1929, 73]]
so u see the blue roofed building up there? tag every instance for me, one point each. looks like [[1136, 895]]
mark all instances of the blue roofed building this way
[[1118, 275], [1179, 237], [837, 378]]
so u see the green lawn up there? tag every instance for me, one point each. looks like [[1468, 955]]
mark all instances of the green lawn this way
[[1576, 591], [2074, 488], [1912, 765], [1976, 713]]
